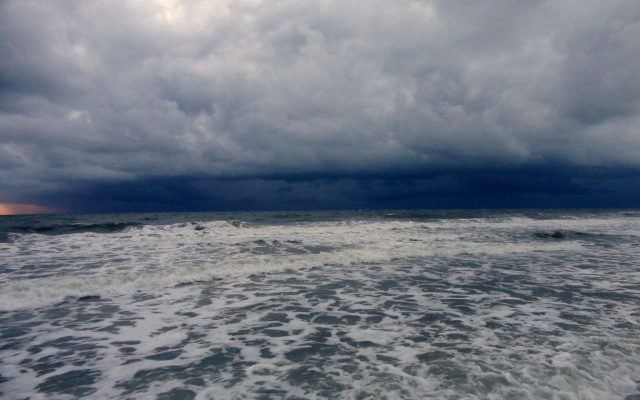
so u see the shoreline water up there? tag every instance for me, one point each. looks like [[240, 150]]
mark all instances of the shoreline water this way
[[339, 304]]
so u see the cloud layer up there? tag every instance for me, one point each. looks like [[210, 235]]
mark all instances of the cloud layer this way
[[108, 93]]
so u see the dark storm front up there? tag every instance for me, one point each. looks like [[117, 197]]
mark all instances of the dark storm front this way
[[362, 305]]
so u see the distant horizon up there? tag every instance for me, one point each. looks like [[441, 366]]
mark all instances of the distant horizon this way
[[318, 210]]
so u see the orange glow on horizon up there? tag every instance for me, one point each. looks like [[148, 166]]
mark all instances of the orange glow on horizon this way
[[16, 208]]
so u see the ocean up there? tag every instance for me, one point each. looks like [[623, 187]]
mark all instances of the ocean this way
[[454, 304]]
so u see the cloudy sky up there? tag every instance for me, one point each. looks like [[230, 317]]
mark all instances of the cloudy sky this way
[[166, 105]]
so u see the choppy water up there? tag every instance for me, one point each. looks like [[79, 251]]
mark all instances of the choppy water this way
[[338, 305]]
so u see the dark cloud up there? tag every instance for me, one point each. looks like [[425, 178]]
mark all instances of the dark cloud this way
[[255, 104], [463, 188]]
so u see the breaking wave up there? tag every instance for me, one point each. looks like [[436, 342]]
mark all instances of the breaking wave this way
[[65, 229]]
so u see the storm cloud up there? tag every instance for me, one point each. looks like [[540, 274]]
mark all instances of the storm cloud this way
[[166, 104]]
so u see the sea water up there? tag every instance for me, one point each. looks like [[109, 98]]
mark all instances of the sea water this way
[[316, 305]]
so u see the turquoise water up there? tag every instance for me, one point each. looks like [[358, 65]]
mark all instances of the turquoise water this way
[[342, 305]]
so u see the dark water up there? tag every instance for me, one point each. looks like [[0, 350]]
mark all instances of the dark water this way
[[478, 304]]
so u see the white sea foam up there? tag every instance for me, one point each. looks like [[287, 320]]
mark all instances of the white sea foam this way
[[529, 359], [45, 269], [474, 309]]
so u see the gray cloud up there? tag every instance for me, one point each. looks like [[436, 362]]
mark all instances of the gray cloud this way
[[104, 92]]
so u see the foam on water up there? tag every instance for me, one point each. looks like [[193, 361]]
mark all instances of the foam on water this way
[[398, 309], [157, 256]]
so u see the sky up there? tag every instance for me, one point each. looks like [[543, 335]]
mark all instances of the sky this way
[[167, 105]]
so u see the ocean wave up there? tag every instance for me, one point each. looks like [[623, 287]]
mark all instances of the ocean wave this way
[[66, 229], [48, 266], [561, 234]]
